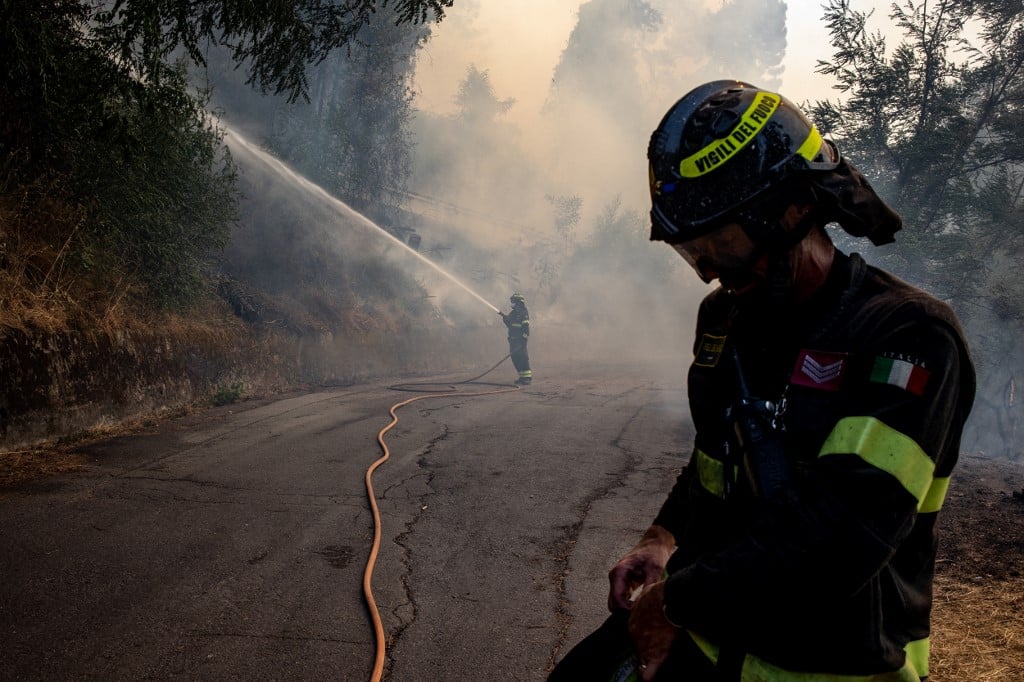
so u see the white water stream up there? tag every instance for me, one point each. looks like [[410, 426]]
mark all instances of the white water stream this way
[[339, 206]]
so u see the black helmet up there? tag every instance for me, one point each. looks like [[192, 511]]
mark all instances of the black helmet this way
[[517, 298], [723, 147]]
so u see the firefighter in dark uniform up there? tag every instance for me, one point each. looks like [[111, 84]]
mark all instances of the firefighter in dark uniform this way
[[518, 323], [828, 398]]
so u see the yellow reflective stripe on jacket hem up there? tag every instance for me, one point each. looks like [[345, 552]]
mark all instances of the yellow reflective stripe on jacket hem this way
[[759, 670], [885, 448], [918, 653]]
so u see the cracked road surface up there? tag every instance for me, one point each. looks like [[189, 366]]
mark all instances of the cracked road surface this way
[[231, 543]]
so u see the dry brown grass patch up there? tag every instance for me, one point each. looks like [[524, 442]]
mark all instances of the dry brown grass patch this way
[[22, 466], [18, 467], [977, 630]]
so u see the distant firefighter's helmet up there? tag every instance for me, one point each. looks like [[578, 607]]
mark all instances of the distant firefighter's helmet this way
[[517, 298], [725, 146]]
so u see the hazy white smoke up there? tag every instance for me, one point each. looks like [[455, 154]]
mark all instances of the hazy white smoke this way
[[490, 181]]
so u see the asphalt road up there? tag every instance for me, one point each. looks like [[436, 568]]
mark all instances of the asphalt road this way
[[231, 544]]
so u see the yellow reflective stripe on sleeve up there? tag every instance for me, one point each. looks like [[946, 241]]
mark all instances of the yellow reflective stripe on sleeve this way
[[935, 496], [759, 670], [710, 473], [883, 447], [721, 150]]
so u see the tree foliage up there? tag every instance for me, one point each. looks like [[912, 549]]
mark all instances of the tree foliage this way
[[600, 76], [477, 104], [146, 190], [937, 122], [351, 138], [277, 39], [96, 115], [616, 250]]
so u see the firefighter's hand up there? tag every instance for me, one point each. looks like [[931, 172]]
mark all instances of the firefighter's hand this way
[[651, 632], [643, 565]]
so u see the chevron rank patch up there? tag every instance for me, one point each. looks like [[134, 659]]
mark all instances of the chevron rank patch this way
[[902, 373], [819, 369]]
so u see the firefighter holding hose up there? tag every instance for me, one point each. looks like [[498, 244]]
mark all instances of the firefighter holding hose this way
[[828, 399], [518, 323]]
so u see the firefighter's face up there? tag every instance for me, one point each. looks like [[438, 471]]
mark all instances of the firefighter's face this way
[[728, 255]]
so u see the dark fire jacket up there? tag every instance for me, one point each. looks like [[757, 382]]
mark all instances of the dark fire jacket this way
[[518, 322], [875, 382]]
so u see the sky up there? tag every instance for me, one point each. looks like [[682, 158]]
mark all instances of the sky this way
[[519, 44]]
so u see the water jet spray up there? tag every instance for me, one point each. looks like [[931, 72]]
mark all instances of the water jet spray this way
[[340, 206]]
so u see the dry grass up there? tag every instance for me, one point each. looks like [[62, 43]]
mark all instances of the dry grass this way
[[35, 288], [40, 290], [18, 467], [978, 630], [21, 466]]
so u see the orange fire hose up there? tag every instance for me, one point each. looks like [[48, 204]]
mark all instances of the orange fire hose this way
[[378, 627]]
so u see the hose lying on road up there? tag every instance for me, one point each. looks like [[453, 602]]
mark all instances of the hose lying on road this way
[[452, 389], [431, 387]]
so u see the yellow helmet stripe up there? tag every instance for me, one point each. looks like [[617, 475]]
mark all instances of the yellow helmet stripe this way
[[811, 146], [722, 149]]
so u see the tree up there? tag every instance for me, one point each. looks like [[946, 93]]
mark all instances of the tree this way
[[936, 123], [114, 187], [352, 136], [278, 39], [548, 256], [602, 54], [477, 103], [96, 115], [942, 138]]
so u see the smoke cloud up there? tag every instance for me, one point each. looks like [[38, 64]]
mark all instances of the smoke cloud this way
[[490, 180]]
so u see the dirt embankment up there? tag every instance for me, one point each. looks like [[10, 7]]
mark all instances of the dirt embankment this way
[[60, 385]]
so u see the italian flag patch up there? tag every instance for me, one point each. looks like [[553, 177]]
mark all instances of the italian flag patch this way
[[905, 375]]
